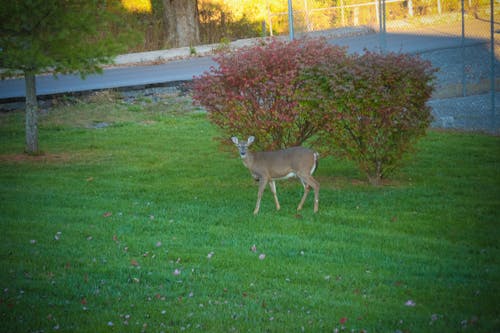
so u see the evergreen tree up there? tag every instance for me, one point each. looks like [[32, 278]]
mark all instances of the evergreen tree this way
[[57, 36]]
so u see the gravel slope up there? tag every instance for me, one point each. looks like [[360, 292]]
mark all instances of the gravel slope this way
[[473, 112]]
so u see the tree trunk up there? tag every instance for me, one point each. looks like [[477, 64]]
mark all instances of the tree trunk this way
[[181, 22], [375, 176], [31, 114]]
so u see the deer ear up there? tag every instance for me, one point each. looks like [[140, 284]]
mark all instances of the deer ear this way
[[250, 139], [235, 140]]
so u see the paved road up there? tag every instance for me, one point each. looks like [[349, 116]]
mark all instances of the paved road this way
[[403, 42], [181, 70]]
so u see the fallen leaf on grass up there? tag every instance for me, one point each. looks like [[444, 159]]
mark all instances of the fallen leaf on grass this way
[[107, 214], [410, 303]]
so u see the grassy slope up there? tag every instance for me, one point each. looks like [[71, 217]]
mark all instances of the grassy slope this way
[[93, 233]]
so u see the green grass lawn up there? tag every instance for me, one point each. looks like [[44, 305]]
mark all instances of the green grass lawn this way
[[147, 225]]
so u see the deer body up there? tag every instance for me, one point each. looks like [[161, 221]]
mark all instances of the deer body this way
[[266, 167]]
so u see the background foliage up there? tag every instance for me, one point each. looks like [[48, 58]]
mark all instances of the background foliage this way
[[226, 20]]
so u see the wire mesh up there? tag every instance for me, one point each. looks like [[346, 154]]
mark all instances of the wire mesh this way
[[460, 37]]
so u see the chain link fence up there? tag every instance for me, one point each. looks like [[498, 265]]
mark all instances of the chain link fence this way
[[460, 37]]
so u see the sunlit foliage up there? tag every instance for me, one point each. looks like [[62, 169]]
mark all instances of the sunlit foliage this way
[[137, 6], [227, 20]]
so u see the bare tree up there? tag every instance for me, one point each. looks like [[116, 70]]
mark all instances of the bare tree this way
[[181, 22]]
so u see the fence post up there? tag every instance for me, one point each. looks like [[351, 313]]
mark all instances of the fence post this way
[[290, 19], [307, 19], [492, 66], [464, 83], [382, 28], [342, 15]]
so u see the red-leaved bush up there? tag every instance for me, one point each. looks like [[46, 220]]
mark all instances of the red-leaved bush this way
[[374, 108], [254, 90]]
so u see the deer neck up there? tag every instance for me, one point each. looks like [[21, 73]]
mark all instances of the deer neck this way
[[248, 160]]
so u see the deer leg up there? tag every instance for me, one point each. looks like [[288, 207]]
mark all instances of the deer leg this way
[[262, 186], [306, 192], [272, 185], [309, 181], [315, 186]]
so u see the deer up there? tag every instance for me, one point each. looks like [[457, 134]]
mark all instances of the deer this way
[[268, 166]]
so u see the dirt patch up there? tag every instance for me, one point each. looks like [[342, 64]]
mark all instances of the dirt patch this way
[[42, 158], [340, 182]]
